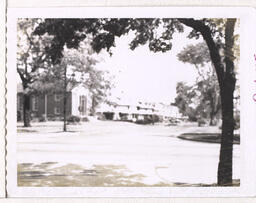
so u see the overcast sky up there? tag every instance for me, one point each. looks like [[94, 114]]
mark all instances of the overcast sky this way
[[141, 75]]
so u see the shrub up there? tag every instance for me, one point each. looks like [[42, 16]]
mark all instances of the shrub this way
[[156, 118], [73, 119], [201, 122], [51, 117], [173, 121], [146, 120], [85, 119], [41, 119], [101, 117]]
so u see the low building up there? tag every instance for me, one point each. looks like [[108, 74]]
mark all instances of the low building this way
[[50, 106], [139, 111]]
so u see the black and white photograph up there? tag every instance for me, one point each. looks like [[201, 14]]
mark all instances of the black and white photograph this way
[[127, 102]]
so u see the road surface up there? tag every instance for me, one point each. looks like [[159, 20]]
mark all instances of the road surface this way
[[108, 153]]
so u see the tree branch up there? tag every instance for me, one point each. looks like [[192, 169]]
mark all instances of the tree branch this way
[[21, 75], [205, 31]]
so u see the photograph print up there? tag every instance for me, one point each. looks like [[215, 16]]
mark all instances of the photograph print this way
[[128, 102]]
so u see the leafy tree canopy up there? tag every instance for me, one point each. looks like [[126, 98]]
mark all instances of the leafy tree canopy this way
[[197, 55], [206, 97], [31, 57], [158, 33], [70, 32], [80, 66]]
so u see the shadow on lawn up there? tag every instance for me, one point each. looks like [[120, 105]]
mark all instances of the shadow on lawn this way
[[51, 175]]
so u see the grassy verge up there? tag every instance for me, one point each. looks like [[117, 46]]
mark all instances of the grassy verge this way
[[207, 137]]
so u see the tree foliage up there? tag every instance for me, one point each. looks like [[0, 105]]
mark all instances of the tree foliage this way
[[69, 32], [184, 101], [197, 55], [31, 59], [30, 51], [206, 95]]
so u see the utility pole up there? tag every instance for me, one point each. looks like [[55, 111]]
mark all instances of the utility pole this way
[[45, 106], [65, 99]]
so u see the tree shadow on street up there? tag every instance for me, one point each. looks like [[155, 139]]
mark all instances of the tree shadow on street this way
[[73, 175]]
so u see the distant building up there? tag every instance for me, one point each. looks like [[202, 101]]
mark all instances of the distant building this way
[[51, 105], [139, 111]]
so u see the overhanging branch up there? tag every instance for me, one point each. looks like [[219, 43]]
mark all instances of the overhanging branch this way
[[206, 33]]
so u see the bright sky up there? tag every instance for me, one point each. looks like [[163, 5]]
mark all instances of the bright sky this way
[[141, 75]]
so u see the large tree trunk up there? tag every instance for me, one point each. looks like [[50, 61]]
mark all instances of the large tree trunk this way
[[26, 110], [226, 79], [226, 151]]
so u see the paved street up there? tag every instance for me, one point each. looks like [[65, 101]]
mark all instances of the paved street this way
[[108, 153]]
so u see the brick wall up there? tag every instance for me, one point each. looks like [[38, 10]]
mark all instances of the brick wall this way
[[54, 107]]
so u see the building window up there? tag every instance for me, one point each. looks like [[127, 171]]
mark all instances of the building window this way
[[82, 104], [34, 103], [57, 97], [57, 110]]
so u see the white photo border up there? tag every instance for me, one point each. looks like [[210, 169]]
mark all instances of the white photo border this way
[[248, 107]]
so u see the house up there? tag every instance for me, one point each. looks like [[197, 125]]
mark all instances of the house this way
[[51, 105]]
